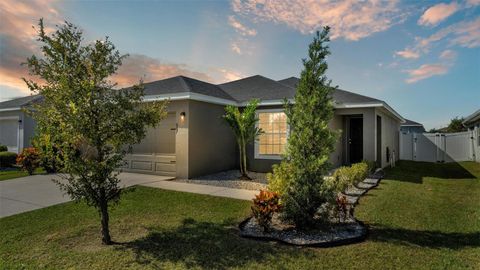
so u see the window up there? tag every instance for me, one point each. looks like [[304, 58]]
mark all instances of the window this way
[[271, 143]]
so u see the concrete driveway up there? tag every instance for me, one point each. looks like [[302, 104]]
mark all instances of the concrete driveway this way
[[38, 191]]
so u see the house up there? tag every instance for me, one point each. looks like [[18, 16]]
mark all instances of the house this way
[[411, 127], [194, 139]]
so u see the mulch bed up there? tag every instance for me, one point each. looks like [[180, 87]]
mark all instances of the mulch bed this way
[[336, 233]]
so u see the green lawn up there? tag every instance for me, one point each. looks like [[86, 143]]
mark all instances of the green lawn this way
[[418, 219], [16, 173]]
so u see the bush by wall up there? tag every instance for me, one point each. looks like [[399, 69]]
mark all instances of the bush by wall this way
[[7, 159], [3, 148], [29, 159]]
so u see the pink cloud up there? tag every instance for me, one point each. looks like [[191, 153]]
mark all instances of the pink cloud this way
[[448, 55], [426, 71], [137, 66], [438, 13], [240, 28], [409, 54], [18, 43], [447, 59], [351, 19]]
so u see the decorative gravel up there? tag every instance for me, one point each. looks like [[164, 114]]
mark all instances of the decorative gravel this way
[[230, 179], [338, 233], [342, 233]]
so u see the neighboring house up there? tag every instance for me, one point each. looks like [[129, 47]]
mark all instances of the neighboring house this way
[[472, 122], [411, 127], [194, 139], [16, 128]]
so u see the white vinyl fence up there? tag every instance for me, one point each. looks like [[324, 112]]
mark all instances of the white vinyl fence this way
[[436, 147]]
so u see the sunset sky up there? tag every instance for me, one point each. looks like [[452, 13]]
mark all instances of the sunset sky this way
[[422, 57]]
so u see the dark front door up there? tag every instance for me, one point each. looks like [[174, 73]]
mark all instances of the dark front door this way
[[355, 140]]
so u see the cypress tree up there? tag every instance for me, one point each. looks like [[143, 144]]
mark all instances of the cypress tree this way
[[311, 141]]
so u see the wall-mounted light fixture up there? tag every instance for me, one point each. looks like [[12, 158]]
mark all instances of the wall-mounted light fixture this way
[[182, 116]]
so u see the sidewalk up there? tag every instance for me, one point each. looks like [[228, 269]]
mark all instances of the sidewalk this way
[[234, 193]]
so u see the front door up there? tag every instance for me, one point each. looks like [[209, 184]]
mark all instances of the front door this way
[[355, 140]]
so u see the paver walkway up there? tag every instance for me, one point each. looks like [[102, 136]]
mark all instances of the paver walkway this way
[[38, 191]]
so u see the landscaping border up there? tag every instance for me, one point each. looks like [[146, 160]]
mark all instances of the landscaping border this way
[[357, 236]]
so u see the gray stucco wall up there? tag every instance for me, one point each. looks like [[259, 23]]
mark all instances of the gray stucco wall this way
[[26, 126], [390, 135], [212, 145]]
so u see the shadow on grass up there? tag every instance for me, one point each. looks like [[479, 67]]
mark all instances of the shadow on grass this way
[[199, 244], [430, 239], [415, 171]]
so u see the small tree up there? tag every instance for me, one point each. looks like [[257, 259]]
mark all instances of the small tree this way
[[92, 122], [311, 141], [245, 129], [456, 125]]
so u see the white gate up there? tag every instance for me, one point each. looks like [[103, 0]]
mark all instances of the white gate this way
[[436, 147]]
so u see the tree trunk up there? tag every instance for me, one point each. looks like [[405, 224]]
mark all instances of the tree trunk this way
[[243, 161], [105, 230]]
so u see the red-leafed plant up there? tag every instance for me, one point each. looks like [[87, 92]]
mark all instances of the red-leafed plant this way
[[29, 159], [265, 204], [342, 206]]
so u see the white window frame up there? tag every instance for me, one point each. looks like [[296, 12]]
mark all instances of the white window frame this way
[[257, 155]]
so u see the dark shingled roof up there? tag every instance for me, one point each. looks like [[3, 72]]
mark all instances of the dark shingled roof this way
[[339, 95], [257, 87], [182, 84], [409, 122], [19, 102]]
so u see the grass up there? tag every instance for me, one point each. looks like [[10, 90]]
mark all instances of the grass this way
[[418, 219], [12, 173]]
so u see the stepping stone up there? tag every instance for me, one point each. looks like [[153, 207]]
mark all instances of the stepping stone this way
[[354, 191], [352, 199], [363, 185], [372, 181]]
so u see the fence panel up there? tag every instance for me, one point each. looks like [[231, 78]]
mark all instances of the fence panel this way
[[435, 147]]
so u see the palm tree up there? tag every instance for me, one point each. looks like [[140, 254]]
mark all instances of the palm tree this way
[[244, 127]]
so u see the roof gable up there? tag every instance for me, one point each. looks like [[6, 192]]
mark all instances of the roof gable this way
[[182, 84], [257, 87]]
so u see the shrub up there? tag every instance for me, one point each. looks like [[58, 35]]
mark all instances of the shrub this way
[[342, 178], [359, 171], [265, 204], [280, 178], [372, 165], [29, 159], [50, 157], [3, 148], [7, 159]]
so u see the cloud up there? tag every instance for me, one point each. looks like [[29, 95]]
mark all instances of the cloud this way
[[465, 34], [137, 66], [426, 71], [437, 13], [234, 46], [448, 55], [447, 58], [240, 28], [351, 19], [227, 75], [407, 53], [17, 39], [471, 3]]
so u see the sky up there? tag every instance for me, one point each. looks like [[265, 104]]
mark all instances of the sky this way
[[421, 57]]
